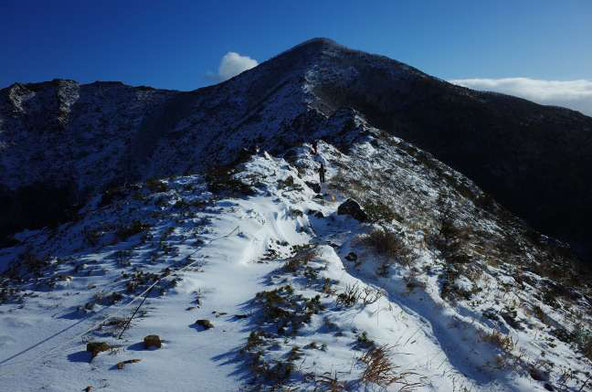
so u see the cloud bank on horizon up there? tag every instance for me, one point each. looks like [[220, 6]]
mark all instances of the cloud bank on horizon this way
[[573, 94], [231, 65]]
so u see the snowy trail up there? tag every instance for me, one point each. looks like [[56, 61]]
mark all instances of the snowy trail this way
[[231, 276], [443, 346], [237, 249], [425, 313]]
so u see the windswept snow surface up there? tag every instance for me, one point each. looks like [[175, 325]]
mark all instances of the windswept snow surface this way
[[214, 256]]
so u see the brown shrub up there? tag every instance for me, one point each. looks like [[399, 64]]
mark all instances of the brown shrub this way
[[506, 343], [388, 244], [381, 371], [330, 383]]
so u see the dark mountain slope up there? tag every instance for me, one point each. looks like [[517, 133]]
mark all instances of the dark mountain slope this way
[[534, 159], [79, 139]]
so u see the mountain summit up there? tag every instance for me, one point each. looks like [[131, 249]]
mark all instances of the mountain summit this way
[[74, 139], [329, 220]]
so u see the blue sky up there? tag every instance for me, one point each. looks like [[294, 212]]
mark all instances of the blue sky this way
[[174, 44]]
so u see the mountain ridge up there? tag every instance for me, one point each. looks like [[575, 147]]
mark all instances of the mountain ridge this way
[[280, 277], [486, 136], [267, 234]]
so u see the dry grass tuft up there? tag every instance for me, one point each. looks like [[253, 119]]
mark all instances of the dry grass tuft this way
[[350, 296], [387, 243], [506, 343], [300, 259], [382, 372], [330, 383]]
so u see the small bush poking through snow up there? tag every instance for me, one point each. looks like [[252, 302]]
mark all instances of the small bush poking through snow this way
[[156, 186], [370, 295], [390, 245], [363, 341], [583, 339], [330, 383], [139, 279], [450, 289], [380, 212], [452, 241], [134, 228], [350, 296], [29, 263], [256, 339], [301, 258], [221, 180], [381, 371], [8, 294], [385, 243], [505, 343], [287, 310]]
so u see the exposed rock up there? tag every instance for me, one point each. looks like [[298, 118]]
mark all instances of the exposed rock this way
[[315, 186], [152, 341], [538, 374], [304, 88], [352, 208], [204, 323], [510, 316], [121, 365], [96, 347], [315, 213]]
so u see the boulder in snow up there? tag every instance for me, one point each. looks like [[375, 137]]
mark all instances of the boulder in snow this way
[[315, 186], [205, 324], [152, 341], [96, 347], [352, 208]]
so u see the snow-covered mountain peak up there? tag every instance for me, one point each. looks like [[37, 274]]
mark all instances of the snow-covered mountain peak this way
[[59, 130], [329, 220]]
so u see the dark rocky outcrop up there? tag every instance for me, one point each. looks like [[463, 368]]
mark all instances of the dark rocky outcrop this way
[[67, 141], [94, 348], [204, 324], [352, 208], [152, 341]]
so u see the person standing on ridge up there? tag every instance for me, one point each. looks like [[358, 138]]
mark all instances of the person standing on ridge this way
[[322, 171], [318, 158]]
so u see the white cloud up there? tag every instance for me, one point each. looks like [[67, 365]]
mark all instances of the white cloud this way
[[573, 94], [231, 65]]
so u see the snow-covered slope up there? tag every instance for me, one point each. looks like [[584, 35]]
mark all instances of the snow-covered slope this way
[[254, 281], [75, 140]]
